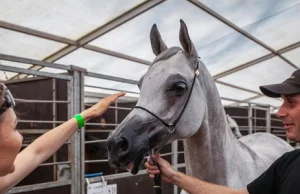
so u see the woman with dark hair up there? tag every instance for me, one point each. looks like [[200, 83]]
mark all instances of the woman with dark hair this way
[[14, 166]]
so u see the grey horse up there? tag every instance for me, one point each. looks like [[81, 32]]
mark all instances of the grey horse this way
[[211, 151], [234, 127]]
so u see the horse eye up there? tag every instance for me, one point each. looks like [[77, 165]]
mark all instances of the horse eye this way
[[179, 87]]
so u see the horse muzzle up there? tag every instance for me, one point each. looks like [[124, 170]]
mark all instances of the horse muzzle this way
[[129, 142]]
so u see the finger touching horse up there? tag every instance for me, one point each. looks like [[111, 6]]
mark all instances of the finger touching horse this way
[[172, 93]]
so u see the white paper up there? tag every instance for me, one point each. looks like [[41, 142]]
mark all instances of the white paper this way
[[112, 189], [100, 188], [97, 188]]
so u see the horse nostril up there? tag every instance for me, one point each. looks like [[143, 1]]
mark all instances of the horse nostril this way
[[122, 144]]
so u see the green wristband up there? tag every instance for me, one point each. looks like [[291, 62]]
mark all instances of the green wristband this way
[[80, 120]]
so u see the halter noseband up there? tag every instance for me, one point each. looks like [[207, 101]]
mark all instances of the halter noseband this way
[[170, 128]]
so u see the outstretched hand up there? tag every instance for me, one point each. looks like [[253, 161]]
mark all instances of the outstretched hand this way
[[99, 108], [167, 172]]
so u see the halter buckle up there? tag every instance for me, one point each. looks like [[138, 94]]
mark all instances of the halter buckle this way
[[171, 129]]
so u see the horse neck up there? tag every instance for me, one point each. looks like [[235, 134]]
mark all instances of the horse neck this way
[[207, 152]]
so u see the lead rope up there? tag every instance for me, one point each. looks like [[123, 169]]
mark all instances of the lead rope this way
[[170, 130], [157, 177]]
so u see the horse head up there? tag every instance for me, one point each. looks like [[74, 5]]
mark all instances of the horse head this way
[[234, 126], [171, 93]]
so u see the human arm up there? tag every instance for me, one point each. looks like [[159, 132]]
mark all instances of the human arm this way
[[46, 145], [187, 183]]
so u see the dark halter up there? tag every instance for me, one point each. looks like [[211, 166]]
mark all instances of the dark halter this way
[[170, 128]]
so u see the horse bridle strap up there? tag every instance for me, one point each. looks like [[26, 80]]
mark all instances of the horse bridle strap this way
[[170, 129]]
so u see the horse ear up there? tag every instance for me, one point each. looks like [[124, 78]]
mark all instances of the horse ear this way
[[158, 45], [185, 40]]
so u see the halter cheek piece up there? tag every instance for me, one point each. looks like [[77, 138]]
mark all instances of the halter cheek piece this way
[[170, 128]]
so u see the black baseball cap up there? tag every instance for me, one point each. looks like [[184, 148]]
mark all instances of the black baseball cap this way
[[289, 86]]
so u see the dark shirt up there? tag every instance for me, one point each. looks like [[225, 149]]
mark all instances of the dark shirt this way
[[283, 176]]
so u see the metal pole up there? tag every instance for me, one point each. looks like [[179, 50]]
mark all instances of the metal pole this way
[[75, 140], [34, 72], [78, 145], [32, 61], [39, 186], [254, 115], [40, 101], [82, 136], [116, 122], [116, 113], [175, 161], [268, 119], [70, 114], [54, 125], [250, 130]]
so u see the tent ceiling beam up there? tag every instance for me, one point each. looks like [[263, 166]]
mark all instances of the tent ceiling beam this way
[[141, 8], [240, 30]]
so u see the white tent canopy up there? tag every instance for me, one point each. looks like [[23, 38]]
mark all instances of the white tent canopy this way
[[244, 44]]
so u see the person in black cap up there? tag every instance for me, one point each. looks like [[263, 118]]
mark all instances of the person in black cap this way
[[289, 112], [282, 177], [289, 87]]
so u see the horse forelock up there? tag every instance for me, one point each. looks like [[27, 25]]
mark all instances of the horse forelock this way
[[163, 56], [166, 54]]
